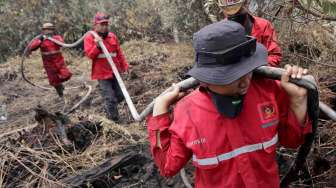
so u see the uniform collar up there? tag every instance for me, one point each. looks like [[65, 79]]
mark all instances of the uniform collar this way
[[226, 106]]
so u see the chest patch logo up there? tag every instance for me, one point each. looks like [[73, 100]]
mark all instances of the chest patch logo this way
[[268, 111]]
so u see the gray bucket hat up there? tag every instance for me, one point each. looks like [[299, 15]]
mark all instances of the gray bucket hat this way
[[224, 53]]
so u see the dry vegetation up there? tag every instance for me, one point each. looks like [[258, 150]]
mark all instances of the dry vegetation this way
[[154, 66], [32, 154], [41, 157]]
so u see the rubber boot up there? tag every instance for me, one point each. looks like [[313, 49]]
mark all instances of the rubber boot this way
[[60, 90], [60, 93], [113, 114]]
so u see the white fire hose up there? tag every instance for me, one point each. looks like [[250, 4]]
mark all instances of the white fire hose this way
[[184, 85]]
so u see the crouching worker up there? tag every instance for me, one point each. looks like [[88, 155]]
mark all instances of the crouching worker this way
[[53, 60], [231, 124]]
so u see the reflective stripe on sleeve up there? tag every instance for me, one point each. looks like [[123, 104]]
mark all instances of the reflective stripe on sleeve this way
[[113, 54], [50, 53]]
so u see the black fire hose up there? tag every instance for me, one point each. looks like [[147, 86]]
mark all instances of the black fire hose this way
[[307, 82]]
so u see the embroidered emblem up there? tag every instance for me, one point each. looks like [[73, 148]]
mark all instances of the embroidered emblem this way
[[267, 111]]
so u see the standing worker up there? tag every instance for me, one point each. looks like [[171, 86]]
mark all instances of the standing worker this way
[[231, 125], [53, 60], [101, 69], [260, 28]]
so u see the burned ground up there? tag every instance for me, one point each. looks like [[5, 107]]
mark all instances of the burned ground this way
[[33, 155]]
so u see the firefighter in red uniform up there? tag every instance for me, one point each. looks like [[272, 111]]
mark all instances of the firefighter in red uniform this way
[[52, 57], [101, 69], [260, 28], [231, 124]]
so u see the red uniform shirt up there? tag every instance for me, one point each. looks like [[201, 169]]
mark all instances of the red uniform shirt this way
[[264, 32], [101, 69], [53, 60], [237, 152]]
